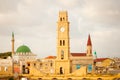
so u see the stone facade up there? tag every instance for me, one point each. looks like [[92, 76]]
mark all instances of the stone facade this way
[[6, 66]]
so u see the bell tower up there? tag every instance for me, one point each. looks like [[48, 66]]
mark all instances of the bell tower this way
[[62, 63], [63, 36]]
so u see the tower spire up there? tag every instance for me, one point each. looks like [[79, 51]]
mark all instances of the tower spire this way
[[89, 46], [89, 41]]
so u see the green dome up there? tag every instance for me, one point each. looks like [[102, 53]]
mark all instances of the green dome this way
[[23, 49]]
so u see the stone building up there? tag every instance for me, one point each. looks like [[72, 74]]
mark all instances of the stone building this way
[[104, 65], [6, 66], [21, 57], [65, 62], [117, 62]]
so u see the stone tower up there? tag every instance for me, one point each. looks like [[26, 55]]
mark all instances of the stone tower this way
[[62, 63], [89, 46]]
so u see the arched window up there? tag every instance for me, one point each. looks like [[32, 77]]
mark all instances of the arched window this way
[[61, 70], [60, 42], [60, 19], [63, 42], [62, 54]]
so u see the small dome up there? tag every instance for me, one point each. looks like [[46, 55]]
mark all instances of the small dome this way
[[23, 49]]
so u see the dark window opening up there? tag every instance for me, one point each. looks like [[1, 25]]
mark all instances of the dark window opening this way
[[23, 69], [60, 19], [63, 42], [60, 42], [28, 64], [51, 64], [62, 54], [61, 71], [40, 64]]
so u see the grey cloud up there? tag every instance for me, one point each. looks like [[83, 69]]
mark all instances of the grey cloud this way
[[100, 11], [34, 23], [7, 6]]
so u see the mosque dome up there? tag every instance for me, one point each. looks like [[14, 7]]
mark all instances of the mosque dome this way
[[23, 49]]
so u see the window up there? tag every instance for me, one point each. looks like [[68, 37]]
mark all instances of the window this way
[[61, 70], [40, 64], [63, 42], [60, 42], [78, 66], [5, 68], [60, 19], [89, 68], [28, 64], [51, 64], [62, 54]]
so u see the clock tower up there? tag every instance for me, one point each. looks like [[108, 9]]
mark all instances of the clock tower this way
[[62, 63]]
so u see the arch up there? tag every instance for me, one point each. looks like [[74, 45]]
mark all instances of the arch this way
[[99, 79], [39, 78], [118, 78], [61, 70], [69, 79], [84, 78], [54, 78], [114, 78]]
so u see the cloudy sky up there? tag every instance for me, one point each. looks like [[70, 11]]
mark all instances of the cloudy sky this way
[[34, 25]]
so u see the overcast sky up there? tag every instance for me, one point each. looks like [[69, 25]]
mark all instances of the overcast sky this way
[[34, 25]]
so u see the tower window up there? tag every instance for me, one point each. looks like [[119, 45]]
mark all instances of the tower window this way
[[60, 42], [63, 42], [34, 64], [63, 19], [62, 54], [60, 19], [61, 70]]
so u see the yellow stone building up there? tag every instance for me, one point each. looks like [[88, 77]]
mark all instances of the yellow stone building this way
[[6, 67], [65, 62], [66, 65]]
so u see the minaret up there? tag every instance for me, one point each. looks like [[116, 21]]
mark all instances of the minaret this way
[[13, 40], [89, 46]]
